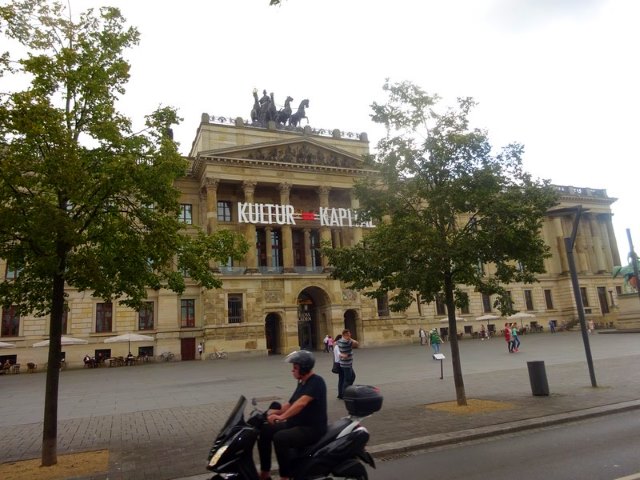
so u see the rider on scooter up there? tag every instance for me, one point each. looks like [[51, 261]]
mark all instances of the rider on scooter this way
[[299, 422]]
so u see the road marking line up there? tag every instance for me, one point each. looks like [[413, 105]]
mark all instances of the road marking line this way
[[635, 476]]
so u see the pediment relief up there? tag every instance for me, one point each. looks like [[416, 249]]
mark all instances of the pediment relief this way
[[304, 153]]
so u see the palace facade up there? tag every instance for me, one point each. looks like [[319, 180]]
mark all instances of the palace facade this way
[[287, 190]]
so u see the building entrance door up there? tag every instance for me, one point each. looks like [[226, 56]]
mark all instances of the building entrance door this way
[[272, 333], [188, 348], [314, 318]]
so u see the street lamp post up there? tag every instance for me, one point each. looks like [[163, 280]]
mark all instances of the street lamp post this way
[[569, 243]]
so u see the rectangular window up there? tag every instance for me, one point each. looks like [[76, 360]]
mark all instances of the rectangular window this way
[[11, 272], [440, 307], [224, 211], [383, 306], [486, 303], [276, 249], [528, 299], [145, 317], [314, 240], [10, 322], [298, 248], [464, 310], [187, 313], [234, 304], [480, 269], [186, 213], [585, 298], [261, 248], [104, 317], [509, 299], [604, 302], [548, 299]]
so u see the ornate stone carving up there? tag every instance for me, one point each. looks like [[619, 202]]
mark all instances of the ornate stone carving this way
[[272, 296], [302, 154], [349, 295]]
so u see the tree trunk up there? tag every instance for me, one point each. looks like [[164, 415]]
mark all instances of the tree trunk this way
[[50, 428], [461, 396]]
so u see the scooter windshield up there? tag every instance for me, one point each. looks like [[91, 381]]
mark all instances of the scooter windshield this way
[[236, 414]]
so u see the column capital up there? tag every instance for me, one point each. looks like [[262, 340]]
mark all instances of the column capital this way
[[324, 190], [209, 183], [284, 187]]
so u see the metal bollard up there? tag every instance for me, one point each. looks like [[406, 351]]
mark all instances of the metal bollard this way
[[538, 378]]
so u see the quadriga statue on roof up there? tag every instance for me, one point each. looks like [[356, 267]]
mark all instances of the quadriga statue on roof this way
[[264, 110]]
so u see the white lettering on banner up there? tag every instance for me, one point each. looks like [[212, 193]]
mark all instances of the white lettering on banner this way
[[265, 213], [269, 213], [335, 217]]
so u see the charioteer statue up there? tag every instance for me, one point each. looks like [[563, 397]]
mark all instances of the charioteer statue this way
[[264, 111]]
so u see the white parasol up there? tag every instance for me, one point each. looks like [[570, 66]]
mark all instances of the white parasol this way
[[130, 337], [458, 319], [63, 341], [7, 345], [520, 316]]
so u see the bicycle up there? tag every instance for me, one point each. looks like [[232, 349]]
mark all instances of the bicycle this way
[[218, 355], [166, 356]]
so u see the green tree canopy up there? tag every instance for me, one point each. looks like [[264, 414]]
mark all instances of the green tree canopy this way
[[86, 202], [445, 204]]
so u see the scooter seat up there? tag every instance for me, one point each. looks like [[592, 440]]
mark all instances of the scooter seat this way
[[332, 432]]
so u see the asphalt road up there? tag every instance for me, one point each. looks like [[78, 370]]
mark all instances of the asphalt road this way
[[604, 448]]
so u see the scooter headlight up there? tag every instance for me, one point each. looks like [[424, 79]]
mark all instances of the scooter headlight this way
[[216, 457]]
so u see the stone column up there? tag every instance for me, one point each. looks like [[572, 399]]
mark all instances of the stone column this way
[[287, 237], [307, 248], [596, 236], [250, 232], [581, 250], [604, 220], [356, 232], [325, 232], [560, 248], [210, 187], [613, 245]]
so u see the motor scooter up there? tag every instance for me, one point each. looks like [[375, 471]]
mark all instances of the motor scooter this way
[[339, 454]]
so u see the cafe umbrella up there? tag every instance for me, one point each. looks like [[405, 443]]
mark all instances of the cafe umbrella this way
[[130, 337], [7, 345], [63, 341], [520, 316]]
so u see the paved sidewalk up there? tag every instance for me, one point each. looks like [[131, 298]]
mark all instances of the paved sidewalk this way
[[158, 420]]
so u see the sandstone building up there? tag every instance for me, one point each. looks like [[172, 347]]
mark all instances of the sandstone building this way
[[287, 190]]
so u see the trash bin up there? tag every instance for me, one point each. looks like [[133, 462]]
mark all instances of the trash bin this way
[[538, 378]]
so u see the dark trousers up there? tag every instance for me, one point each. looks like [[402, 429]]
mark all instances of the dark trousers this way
[[284, 440], [346, 377]]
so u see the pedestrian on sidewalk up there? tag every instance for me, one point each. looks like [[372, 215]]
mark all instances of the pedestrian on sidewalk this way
[[336, 359], [592, 326], [435, 341], [507, 337], [345, 347], [326, 343], [515, 338], [423, 336], [330, 343]]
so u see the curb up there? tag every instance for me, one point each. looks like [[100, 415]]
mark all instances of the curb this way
[[390, 449]]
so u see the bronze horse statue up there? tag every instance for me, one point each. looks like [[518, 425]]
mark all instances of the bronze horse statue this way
[[297, 117], [284, 114]]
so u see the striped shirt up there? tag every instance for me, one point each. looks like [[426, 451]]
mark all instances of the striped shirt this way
[[345, 349]]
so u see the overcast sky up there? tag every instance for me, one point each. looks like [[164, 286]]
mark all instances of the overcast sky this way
[[559, 76]]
